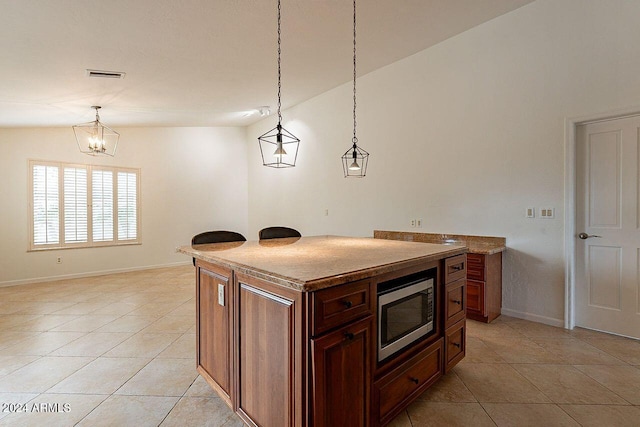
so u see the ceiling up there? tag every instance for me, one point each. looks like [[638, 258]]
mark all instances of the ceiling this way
[[203, 62]]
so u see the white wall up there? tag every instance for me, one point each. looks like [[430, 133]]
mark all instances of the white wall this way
[[193, 180], [464, 135]]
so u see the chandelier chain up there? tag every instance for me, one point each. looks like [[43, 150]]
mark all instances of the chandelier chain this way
[[279, 72], [355, 139]]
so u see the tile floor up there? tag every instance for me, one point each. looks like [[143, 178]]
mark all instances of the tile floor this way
[[119, 350]]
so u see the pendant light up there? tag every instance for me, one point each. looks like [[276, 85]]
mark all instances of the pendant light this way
[[279, 147], [355, 160], [96, 139]]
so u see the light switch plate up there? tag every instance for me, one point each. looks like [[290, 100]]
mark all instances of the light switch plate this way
[[531, 213], [547, 213]]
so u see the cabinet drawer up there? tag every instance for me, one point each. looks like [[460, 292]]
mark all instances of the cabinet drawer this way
[[475, 267], [455, 302], [455, 344], [407, 381], [475, 297], [455, 268], [335, 306]]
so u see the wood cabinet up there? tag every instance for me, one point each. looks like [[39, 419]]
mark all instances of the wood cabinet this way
[[341, 354], [282, 357], [213, 327], [270, 356], [455, 306], [341, 365], [484, 286]]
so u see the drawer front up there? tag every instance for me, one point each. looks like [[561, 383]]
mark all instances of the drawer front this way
[[475, 267], [407, 381], [455, 344], [334, 306], [455, 268], [475, 297], [455, 302]]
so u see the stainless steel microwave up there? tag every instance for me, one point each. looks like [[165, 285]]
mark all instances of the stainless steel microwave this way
[[406, 311]]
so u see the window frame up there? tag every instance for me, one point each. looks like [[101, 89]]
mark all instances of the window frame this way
[[90, 243]]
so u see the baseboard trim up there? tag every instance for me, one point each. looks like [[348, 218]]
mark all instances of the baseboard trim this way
[[533, 317], [88, 274]]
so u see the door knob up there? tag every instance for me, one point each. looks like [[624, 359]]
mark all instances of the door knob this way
[[585, 236]]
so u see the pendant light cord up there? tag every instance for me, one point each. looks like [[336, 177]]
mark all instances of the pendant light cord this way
[[279, 72], [355, 139]]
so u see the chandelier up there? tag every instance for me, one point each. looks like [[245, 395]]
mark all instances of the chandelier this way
[[96, 139], [355, 159], [279, 147]]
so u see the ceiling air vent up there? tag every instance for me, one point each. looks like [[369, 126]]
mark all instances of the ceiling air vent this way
[[106, 74]]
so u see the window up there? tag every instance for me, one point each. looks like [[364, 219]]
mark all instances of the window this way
[[83, 205]]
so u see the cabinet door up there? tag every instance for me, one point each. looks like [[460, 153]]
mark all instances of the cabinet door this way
[[475, 297], [213, 327], [342, 376], [270, 362]]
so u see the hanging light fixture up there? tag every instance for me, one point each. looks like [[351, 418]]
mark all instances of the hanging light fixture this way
[[279, 147], [355, 160], [96, 139]]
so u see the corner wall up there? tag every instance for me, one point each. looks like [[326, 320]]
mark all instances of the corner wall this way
[[465, 135], [192, 180]]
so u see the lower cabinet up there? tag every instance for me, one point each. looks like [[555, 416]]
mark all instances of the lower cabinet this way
[[282, 357], [484, 286], [213, 302], [341, 364], [270, 376]]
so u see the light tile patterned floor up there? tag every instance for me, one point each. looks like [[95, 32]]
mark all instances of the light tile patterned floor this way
[[119, 350]]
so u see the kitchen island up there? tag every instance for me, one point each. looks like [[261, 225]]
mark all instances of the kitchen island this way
[[287, 329]]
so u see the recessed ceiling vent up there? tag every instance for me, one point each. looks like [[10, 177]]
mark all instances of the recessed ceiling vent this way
[[106, 74]]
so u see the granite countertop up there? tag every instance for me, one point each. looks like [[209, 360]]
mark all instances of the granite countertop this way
[[316, 262], [486, 245]]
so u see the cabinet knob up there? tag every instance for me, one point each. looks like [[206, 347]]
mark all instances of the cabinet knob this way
[[348, 335], [347, 303], [414, 380], [456, 301], [456, 344]]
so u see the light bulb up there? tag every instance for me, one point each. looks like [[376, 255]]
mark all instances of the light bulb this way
[[354, 166]]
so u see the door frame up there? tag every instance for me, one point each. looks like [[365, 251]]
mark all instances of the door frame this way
[[570, 205]]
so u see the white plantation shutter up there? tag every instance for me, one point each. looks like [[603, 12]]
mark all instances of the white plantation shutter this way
[[81, 205], [102, 205], [75, 205], [127, 206], [46, 208]]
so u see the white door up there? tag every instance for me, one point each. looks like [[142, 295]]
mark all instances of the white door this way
[[608, 251]]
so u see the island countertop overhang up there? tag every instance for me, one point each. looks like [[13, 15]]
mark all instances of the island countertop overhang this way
[[311, 263]]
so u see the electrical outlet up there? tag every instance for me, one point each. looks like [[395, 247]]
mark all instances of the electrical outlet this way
[[531, 213], [413, 223], [547, 213], [326, 212], [221, 294], [59, 260], [419, 223]]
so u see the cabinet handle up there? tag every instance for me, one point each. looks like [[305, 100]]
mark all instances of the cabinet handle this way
[[456, 344], [347, 303], [456, 301], [348, 335], [414, 380], [457, 267]]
